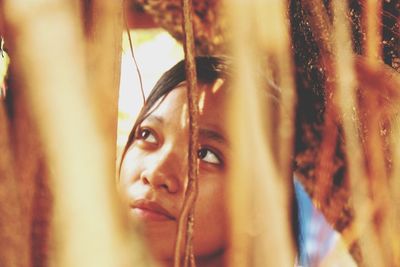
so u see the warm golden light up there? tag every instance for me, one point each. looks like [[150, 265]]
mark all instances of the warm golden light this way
[[311, 98]]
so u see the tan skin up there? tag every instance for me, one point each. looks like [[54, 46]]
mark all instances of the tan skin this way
[[154, 174]]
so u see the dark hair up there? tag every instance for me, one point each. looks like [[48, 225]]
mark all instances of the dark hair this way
[[208, 70]]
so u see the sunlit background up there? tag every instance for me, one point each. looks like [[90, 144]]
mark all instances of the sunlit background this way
[[155, 51]]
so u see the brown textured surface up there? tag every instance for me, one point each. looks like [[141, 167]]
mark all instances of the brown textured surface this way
[[208, 34]]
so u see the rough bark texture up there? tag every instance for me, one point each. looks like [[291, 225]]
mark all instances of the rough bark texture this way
[[186, 217], [207, 22]]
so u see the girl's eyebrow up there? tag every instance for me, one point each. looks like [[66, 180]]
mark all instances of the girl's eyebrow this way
[[212, 134], [155, 118]]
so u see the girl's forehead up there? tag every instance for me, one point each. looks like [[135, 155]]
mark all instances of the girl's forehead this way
[[211, 103], [174, 102], [211, 95]]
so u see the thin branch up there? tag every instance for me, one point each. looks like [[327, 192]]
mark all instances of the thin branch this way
[[133, 54], [372, 11], [186, 219], [320, 24]]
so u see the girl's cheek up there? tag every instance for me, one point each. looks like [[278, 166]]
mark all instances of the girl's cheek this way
[[129, 167], [124, 172]]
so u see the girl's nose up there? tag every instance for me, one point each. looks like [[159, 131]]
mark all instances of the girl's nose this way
[[164, 171]]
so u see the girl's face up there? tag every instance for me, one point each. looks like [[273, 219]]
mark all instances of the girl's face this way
[[154, 172]]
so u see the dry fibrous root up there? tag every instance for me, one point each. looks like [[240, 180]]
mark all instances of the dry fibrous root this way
[[208, 23], [186, 218], [377, 98]]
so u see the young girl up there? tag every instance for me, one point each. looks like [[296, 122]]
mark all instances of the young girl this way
[[154, 168]]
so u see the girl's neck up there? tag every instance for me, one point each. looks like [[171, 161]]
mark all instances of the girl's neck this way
[[214, 260]]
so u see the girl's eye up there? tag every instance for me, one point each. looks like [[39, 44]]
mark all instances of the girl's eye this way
[[208, 156], [146, 135]]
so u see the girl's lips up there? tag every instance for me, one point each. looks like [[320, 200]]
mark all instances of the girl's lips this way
[[150, 211]]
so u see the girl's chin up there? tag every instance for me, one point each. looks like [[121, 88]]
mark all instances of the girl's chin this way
[[165, 262], [163, 250]]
